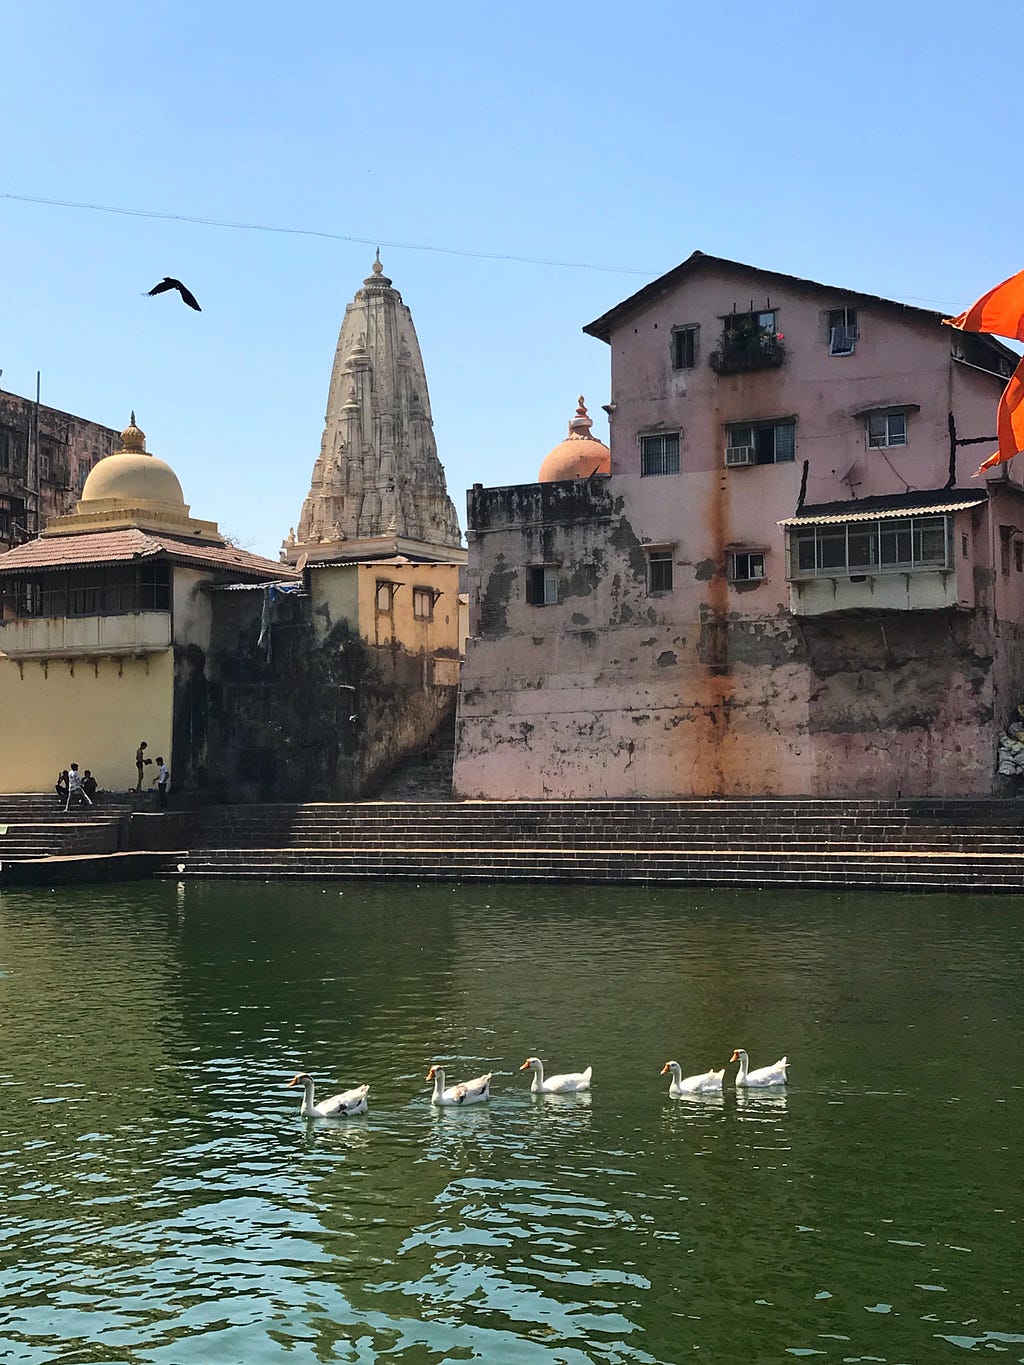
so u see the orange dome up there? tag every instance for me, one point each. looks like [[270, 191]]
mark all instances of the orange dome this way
[[579, 455]]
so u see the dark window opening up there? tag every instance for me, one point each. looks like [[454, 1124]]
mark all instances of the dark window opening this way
[[659, 571], [541, 585], [684, 347]]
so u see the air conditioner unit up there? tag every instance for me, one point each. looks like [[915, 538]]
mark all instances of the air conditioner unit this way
[[740, 455]]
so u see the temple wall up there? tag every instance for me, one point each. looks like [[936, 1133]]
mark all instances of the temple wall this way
[[91, 712]]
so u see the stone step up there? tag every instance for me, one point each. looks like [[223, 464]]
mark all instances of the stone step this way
[[697, 873]]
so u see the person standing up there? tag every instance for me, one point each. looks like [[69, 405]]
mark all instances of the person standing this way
[[161, 780], [140, 761], [76, 792]]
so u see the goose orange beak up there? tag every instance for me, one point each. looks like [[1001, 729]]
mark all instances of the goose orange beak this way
[[525, 1065], [664, 1069], [735, 1057], [294, 1081]]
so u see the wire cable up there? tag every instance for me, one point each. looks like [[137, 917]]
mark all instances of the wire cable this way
[[330, 236]]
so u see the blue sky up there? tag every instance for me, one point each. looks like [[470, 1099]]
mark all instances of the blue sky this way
[[868, 145]]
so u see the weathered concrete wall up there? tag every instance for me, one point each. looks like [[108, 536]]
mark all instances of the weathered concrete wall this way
[[714, 686], [712, 689], [313, 713], [67, 448]]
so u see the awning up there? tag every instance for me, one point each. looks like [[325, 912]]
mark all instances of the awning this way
[[886, 514]]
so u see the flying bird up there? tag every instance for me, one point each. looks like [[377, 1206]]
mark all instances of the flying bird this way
[[186, 294]]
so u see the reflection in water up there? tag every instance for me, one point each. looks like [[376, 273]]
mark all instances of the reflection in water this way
[[166, 1204]]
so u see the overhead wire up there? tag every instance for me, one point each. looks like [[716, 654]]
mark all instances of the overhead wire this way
[[330, 236]]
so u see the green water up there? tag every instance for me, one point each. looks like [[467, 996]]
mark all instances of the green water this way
[[163, 1201]]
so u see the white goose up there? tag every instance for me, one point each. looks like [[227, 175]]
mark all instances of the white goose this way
[[709, 1082], [764, 1075], [571, 1081], [337, 1107], [466, 1092]]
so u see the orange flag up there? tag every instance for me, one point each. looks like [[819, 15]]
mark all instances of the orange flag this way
[[1009, 421], [1001, 311]]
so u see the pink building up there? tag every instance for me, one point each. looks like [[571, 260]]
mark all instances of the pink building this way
[[789, 583]]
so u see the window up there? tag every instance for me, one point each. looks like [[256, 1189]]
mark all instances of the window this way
[[842, 331], [684, 347], [113, 591], [154, 587], [746, 565], [659, 454], [541, 585], [887, 429], [761, 443], [385, 595], [659, 571], [423, 600], [892, 545]]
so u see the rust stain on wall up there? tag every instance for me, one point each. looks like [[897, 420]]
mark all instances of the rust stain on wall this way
[[714, 763]]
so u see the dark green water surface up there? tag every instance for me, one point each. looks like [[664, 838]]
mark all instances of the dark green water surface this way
[[163, 1201]]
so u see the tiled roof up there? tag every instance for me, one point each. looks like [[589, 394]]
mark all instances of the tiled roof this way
[[117, 547]]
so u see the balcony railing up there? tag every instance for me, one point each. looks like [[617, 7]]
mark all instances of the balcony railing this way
[[740, 351], [143, 632]]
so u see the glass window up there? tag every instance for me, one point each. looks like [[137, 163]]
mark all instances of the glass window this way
[[659, 571], [154, 587], [745, 565], [887, 429], [895, 543], [773, 442], [541, 585], [659, 454]]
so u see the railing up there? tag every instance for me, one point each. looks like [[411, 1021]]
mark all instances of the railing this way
[[739, 351]]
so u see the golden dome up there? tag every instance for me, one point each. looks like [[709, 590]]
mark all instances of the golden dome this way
[[579, 455], [132, 475]]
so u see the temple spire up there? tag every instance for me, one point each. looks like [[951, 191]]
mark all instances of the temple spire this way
[[378, 486]]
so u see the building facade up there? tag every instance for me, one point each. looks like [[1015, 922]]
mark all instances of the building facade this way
[[45, 458], [100, 616], [788, 584]]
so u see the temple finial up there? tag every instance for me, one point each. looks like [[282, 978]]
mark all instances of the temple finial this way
[[378, 269]]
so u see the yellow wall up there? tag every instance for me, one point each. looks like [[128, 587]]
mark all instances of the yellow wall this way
[[90, 712], [350, 592]]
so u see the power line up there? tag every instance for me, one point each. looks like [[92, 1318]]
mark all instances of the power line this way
[[331, 236]]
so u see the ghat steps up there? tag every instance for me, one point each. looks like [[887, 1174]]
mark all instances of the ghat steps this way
[[912, 845], [37, 826], [971, 845]]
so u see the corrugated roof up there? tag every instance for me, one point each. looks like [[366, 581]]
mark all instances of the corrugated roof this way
[[884, 514], [124, 546]]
